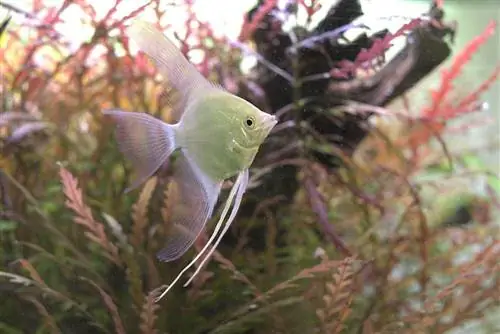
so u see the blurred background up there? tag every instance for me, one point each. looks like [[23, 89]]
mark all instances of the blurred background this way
[[471, 15], [373, 206]]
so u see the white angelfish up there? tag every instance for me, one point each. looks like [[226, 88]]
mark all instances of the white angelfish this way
[[217, 133]]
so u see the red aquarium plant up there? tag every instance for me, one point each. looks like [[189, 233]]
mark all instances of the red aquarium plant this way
[[442, 109]]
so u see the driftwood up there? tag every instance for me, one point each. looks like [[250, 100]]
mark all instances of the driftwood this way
[[427, 47]]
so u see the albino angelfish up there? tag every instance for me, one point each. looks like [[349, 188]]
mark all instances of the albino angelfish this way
[[217, 133]]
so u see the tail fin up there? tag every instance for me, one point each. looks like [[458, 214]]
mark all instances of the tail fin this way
[[144, 140]]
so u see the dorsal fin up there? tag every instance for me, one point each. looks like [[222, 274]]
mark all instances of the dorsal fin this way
[[171, 63]]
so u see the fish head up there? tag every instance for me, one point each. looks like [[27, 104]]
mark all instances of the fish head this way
[[254, 124]]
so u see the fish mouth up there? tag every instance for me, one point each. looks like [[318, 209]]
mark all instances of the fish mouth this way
[[268, 124]]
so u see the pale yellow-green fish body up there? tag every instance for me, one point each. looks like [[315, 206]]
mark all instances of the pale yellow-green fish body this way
[[217, 133], [230, 144]]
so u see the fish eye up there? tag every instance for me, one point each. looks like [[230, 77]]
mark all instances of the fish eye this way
[[250, 122]]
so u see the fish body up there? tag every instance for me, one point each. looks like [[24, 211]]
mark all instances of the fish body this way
[[217, 133], [232, 123]]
